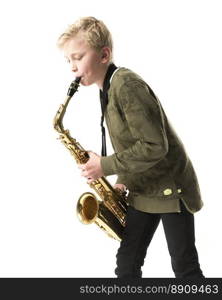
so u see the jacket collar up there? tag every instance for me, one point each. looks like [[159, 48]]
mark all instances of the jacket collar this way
[[106, 83]]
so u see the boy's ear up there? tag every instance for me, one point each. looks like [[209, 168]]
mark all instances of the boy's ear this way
[[106, 53]]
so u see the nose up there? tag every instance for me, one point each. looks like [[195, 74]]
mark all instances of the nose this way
[[73, 67]]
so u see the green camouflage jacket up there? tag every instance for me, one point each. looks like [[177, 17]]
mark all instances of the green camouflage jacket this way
[[149, 157]]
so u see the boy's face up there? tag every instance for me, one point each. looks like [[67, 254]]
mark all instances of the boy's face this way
[[85, 61]]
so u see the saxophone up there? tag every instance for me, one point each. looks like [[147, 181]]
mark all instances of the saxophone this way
[[109, 213]]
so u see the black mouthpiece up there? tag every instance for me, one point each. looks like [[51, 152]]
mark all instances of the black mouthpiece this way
[[77, 80], [74, 86]]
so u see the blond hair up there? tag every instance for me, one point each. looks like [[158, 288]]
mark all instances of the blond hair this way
[[94, 31]]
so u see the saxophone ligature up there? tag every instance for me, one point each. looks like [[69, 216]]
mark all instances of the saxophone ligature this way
[[108, 212]]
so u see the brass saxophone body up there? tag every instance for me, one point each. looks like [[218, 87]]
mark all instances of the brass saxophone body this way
[[109, 213]]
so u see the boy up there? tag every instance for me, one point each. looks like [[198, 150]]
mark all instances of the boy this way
[[149, 158]]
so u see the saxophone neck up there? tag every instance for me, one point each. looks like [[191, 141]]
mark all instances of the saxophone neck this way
[[58, 119]]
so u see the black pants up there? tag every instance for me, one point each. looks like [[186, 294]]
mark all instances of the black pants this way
[[179, 232]]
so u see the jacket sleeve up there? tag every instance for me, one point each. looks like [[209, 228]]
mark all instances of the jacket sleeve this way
[[119, 179], [144, 118]]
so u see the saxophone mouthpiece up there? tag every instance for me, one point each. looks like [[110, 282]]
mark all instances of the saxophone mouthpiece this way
[[77, 80], [73, 86]]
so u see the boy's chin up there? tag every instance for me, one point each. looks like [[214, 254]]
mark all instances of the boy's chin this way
[[86, 83]]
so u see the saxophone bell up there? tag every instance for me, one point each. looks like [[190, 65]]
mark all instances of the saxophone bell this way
[[91, 210], [87, 208]]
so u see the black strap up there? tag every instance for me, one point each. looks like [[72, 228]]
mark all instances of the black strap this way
[[104, 101]]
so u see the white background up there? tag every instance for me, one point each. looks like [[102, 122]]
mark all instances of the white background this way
[[176, 47]]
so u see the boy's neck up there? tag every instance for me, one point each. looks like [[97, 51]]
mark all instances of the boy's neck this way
[[108, 72], [103, 75]]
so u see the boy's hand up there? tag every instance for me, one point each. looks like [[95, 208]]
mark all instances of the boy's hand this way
[[120, 187], [92, 169]]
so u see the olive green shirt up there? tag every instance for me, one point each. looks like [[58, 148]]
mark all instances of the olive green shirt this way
[[149, 158]]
